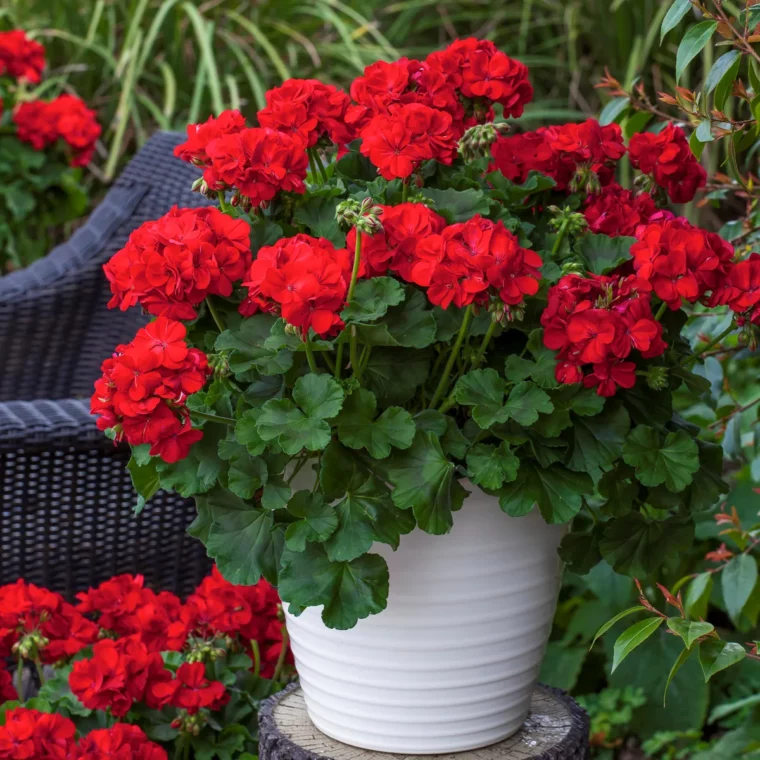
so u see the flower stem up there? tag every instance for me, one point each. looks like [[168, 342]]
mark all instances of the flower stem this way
[[214, 314], [223, 205], [318, 163], [256, 658], [484, 345], [312, 165], [20, 678], [443, 382], [310, 356], [214, 418], [404, 192], [349, 296], [353, 351], [714, 342], [40, 672], [560, 236], [283, 654], [661, 311]]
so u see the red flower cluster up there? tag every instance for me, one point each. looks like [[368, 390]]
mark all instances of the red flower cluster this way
[[564, 153], [41, 621], [8, 691], [120, 742], [682, 262], [21, 57], [33, 735], [118, 674], [200, 135], [66, 118], [302, 278], [740, 290], [309, 109], [464, 80], [191, 690], [144, 388], [668, 158], [465, 260], [616, 211], [595, 323], [395, 247], [396, 143], [171, 264]]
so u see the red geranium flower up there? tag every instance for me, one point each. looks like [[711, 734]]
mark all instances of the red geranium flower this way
[[594, 323], [21, 57], [740, 290], [668, 158], [191, 690], [169, 266], [398, 142], [120, 742], [8, 691], [682, 262], [32, 735], [309, 109], [616, 211], [200, 135]]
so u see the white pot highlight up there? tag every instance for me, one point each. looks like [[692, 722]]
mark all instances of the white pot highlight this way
[[450, 665]]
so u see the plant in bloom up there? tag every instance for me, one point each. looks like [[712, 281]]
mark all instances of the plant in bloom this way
[[43, 145], [429, 295], [151, 665]]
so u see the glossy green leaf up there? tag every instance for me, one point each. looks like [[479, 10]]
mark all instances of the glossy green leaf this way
[[672, 462], [692, 44], [633, 637], [680, 660], [372, 298], [491, 466], [606, 627], [698, 595], [689, 630], [673, 17], [716, 655], [738, 580]]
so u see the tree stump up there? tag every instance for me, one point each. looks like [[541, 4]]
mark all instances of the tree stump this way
[[556, 729]]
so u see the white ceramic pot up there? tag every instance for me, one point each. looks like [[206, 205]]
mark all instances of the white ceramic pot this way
[[450, 665]]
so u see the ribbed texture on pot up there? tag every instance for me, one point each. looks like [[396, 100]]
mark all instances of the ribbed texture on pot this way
[[451, 664]]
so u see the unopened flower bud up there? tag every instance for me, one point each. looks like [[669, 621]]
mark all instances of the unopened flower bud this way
[[585, 180], [477, 141], [657, 378], [200, 186]]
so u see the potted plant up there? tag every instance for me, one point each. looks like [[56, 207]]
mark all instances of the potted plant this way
[[402, 357]]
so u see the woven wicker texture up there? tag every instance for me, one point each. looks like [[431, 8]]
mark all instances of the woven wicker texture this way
[[66, 498]]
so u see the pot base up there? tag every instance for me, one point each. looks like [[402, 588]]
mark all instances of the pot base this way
[[556, 728]]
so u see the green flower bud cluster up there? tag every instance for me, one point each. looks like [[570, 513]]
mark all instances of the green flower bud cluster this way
[[362, 215], [573, 221], [476, 142], [657, 378], [189, 724], [205, 651], [29, 646]]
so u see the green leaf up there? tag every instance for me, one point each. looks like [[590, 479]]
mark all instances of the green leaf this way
[[390, 386], [720, 68], [580, 551], [716, 655], [692, 43], [514, 195], [613, 110], [349, 591], [596, 443], [636, 546], [317, 214], [358, 429], [320, 396], [524, 403], [247, 348], [246, 475], [372, 299], [144, 479], [680, 660], [557, 491], [689, 630], [674, 15], [517, 368], [453, 442], [491, 466], [410, 324], [738, 580], [703, 133], [606, 627], [672, 463], [561, 665], [284, 422], [431, 421], [247, 433], [423, 480], [317, 520], [604, 254], [632, 637], [276, 493], [457, 205], [484, 390], [698, 595], [545, 360], [242, 539]]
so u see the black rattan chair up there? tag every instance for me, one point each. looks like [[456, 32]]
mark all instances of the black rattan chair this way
[[66, 499]]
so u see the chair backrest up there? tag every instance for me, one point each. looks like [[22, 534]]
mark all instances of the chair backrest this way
[[55, 327], [66, 499]]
